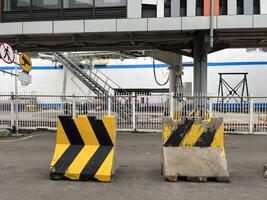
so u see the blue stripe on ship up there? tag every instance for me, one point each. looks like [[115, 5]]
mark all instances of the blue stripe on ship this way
[[148, 66]]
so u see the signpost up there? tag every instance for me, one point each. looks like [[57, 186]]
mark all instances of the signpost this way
[[7, 53], [25, 62], [8, 56], [24, 78]]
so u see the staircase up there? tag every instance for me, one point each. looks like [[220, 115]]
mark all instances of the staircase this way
[[96, 81]]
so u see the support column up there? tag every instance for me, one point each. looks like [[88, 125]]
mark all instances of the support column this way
[[248, 7], [175, 78], [191, 8], [200, 54], [231, 7], [64, 82], [134, 9], [263, 7], [160, 8], [175, 8]]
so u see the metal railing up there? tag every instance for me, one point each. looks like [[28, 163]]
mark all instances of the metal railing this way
[[145, 111]]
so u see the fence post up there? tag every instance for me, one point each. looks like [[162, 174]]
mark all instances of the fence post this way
[[210, 107], [171, 105], [109, 105], [12, 110], [73, 107], [133, 111], [251, 114]]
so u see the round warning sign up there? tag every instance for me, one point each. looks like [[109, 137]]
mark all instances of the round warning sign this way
[[25, 62], [7, 53]]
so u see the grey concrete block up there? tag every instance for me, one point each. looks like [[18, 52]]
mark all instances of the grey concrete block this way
[[38, 27], [105, 25], [71, 26], [194, 162], [129, 25], [11, 28]]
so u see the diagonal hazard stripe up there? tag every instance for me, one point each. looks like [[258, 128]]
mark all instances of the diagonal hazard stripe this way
[[80, 162], [105, 172], [86, 131], [193, 135], [67, 158], [207, 137], [71, 130], [100, 132], [95, 162], [178, 135]]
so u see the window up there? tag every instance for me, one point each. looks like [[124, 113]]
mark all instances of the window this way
[[11, 5], [78, 3], [199, 7], [240, 7], [46, 4], [223, 7], [256, 7], [251, 50], [183, 4], [110, 3]]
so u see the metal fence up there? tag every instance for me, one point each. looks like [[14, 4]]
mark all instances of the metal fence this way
[[141, 113]]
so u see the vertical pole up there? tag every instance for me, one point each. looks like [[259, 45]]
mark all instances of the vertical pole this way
[[64, 83], [12, 106], [210, 107], [109, 105], [251, 114], [133, 111], [175, 8], [1, 10], [200, 64], [211, 23], [171, 105], [160, 8], [73, 107], [16, 95]]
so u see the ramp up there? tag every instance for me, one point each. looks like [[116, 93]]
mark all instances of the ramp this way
[[193, 149], [85, 149]]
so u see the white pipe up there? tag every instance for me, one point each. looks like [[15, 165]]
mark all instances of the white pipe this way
[[211, 23]]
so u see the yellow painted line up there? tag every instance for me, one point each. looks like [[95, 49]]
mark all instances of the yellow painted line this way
[[110, 124], [78, 164], [86, 131], [193, 135], [59, 151], [104, 173]]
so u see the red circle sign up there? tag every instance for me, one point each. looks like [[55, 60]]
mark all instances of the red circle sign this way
[[7, 53]]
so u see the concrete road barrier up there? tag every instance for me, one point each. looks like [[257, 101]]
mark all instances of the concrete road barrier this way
[[193, 149], [85, 149]]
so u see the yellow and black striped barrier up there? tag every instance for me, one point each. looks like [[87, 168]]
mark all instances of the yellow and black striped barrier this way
[[85, 149], [193, 147]]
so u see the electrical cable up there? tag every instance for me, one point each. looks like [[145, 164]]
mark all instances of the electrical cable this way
[[155, 76]]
